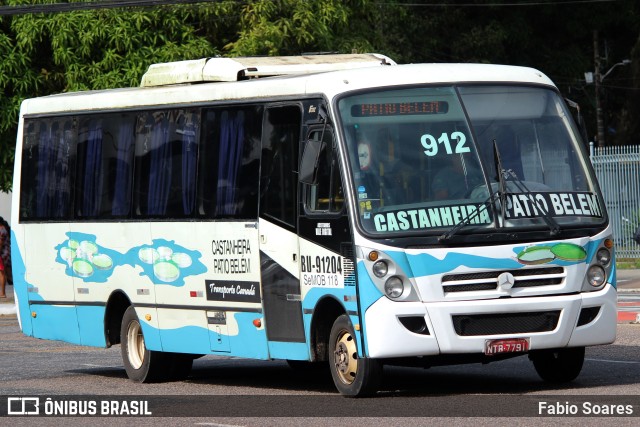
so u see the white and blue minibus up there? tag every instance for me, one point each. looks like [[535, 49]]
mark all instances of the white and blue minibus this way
[[334, 209]]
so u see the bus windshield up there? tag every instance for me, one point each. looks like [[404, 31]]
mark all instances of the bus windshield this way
[[424, 159]]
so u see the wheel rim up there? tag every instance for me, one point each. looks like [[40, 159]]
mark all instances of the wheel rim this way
[[345, 357], [135, 345]]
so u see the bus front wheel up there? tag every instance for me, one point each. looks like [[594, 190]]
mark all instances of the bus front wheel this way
[[353, 376], [142, 365], [558, 365]]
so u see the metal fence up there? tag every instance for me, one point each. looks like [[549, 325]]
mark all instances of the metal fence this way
[[618, 171]]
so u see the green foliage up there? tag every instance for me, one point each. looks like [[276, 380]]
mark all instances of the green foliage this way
[[85, 50], [105, 48], [289, 27]]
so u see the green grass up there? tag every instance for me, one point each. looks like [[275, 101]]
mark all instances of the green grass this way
[[627, 263]]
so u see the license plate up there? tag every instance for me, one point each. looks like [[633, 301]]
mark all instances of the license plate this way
[[509, 345]]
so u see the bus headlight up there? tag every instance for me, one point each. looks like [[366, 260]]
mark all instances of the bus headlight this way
[[596, 276], [380, 268], [603, 256], [387, 274], [394, 287]]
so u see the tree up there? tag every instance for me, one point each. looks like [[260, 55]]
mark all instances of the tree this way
[[292, 27], [105, 48], [97, 49]]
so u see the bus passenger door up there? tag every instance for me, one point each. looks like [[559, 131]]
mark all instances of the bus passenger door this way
[[279, 246], [326, 248]]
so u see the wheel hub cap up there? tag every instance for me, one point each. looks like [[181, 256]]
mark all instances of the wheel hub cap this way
[[345, 358]]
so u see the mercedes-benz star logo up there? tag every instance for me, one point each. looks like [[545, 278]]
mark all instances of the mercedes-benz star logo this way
[[506, 281]]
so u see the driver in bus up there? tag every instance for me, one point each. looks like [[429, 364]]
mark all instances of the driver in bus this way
[[367, 182]]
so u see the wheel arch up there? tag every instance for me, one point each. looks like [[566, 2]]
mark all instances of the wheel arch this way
[[326, 311], [117, 304]]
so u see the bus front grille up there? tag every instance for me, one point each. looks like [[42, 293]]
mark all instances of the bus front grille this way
[[505, 323], [488, 280]]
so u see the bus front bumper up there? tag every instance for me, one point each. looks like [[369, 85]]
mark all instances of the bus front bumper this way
[[463, 327]]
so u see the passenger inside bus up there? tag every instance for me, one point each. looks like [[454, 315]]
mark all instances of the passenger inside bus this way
[[367, 179]]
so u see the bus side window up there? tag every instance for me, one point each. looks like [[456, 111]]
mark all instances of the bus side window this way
[[165, 163], [278, 179], [327, 195], [104, 166], [229, 162], [49, 150]]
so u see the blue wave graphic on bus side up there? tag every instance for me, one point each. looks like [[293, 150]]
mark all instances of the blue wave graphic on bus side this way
[[162, 261], [198, 340], [313, 297], [87, 260], [368, 294], [21, 287], [425, 264], [166, 262]]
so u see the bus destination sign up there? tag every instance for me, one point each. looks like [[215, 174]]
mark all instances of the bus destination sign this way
[[399, 108]]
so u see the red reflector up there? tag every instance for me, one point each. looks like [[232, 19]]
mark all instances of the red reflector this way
[[193, 294]]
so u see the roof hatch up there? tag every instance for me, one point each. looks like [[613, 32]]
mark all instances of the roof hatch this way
[[235, 69]]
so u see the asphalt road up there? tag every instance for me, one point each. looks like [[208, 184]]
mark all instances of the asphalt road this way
[[628, 280], [236, 392]]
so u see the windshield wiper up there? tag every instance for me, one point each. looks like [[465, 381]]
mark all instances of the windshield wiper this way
[[502, 180], [469, 217], [554, 228], [501, 194], [503, 175]]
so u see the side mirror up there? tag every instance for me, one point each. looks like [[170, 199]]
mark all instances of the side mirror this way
[[310, 158]]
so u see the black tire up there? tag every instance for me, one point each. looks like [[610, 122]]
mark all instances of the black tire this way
[[142, 365], [558, 365], [353, 376]]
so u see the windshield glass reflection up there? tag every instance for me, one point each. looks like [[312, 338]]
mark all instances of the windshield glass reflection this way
[[420, 166]]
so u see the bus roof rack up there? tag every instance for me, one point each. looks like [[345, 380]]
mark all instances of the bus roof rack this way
[[235, 69]]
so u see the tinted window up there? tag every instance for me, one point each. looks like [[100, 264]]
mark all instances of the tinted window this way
[[105, 165], [165, 163], [48, 152], [278, 178], [327, 195], [230, 162]]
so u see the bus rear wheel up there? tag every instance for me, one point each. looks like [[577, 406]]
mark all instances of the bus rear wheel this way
[[353, 376], [142, 365], [558, 365]]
